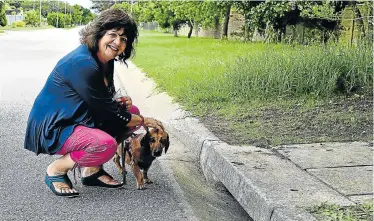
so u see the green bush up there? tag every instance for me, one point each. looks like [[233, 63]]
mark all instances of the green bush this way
[[62, 19], [32, 18], [18, 24]]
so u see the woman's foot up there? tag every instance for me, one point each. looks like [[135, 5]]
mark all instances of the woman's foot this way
[[60, 187], [93, 176]]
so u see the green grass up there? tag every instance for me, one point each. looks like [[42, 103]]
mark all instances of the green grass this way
[[212, 70], [331, 212], [263, 91], [10, 28]]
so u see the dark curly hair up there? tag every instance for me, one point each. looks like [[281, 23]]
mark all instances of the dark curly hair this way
[[107, 20]]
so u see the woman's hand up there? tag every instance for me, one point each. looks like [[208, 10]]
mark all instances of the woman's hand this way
[[151, 122], [125, 101]]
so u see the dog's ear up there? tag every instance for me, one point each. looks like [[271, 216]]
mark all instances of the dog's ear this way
[[167, 143], [145, 140], [146, 129]]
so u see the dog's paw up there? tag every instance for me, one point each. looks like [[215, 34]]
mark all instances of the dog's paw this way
[[148, 181], [140, 186]]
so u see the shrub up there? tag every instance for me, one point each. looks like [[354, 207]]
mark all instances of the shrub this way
[[52, 19], [18, 24], [32, 18]]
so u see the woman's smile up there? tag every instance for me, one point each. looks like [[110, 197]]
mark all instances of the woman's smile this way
[[112, 44]]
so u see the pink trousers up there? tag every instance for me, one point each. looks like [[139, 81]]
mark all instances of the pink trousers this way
[[89, 147]]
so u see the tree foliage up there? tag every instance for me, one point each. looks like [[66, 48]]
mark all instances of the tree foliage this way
[[32, 18], [77, 14], [3, 21], [58, 13]]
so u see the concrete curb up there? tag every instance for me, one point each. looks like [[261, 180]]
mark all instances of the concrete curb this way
[[218, 170]]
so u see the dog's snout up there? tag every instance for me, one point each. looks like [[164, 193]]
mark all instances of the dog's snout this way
[[157, 153]]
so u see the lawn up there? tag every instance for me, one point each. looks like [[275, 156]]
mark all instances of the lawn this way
[[265, 94], [10, 28]]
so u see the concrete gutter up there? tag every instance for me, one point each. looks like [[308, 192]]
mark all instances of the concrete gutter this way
[[265, 183]]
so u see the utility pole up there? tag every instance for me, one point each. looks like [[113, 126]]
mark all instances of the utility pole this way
[[40, 12], [58, 11], [70, 17], [131, 6], [65, 15]]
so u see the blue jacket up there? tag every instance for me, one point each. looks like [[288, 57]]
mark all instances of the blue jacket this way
[[74, 94]]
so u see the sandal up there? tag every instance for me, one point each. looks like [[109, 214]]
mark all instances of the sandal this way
[[60, 178], [93, 180]]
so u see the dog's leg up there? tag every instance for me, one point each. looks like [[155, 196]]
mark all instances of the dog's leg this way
[[139, 177], [116, 159], [145, 175]]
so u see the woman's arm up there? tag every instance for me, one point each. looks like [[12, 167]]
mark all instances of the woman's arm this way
[[137, 120]]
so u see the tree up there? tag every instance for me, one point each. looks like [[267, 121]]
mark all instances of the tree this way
[[32, 18], [165, 17], [77, 14], [101, 5], [87, 16], [252, 20], [3, 20], [189, 13], [226, 22], [212, 14], [221, 9]]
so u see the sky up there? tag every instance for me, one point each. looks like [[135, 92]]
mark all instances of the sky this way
[[84, 3]]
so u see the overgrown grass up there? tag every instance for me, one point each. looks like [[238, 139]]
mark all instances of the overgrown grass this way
[[331, 212], [208, 70], [270, 91], [299, 72]]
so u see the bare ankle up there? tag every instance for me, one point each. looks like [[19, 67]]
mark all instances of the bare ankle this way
[[61, 166], [53, 171], [87, 171]]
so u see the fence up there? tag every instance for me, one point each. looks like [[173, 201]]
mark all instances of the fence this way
[[14, 18]]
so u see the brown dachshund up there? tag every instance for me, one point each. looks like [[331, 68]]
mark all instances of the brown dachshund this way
[[141, 151]]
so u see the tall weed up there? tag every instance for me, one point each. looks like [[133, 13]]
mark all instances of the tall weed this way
[[299, 72]]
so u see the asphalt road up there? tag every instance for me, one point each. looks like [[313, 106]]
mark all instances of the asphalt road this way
[[179, 191]]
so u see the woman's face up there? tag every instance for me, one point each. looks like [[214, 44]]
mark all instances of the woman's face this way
[[112, 44]]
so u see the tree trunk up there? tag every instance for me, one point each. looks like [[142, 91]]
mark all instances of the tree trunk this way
[[267, 32], [175, 32], [190, 31], [302, 33], [216, 27], [360, 22], [246, 32], [352, 31], [226, 22], [325, 37]]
